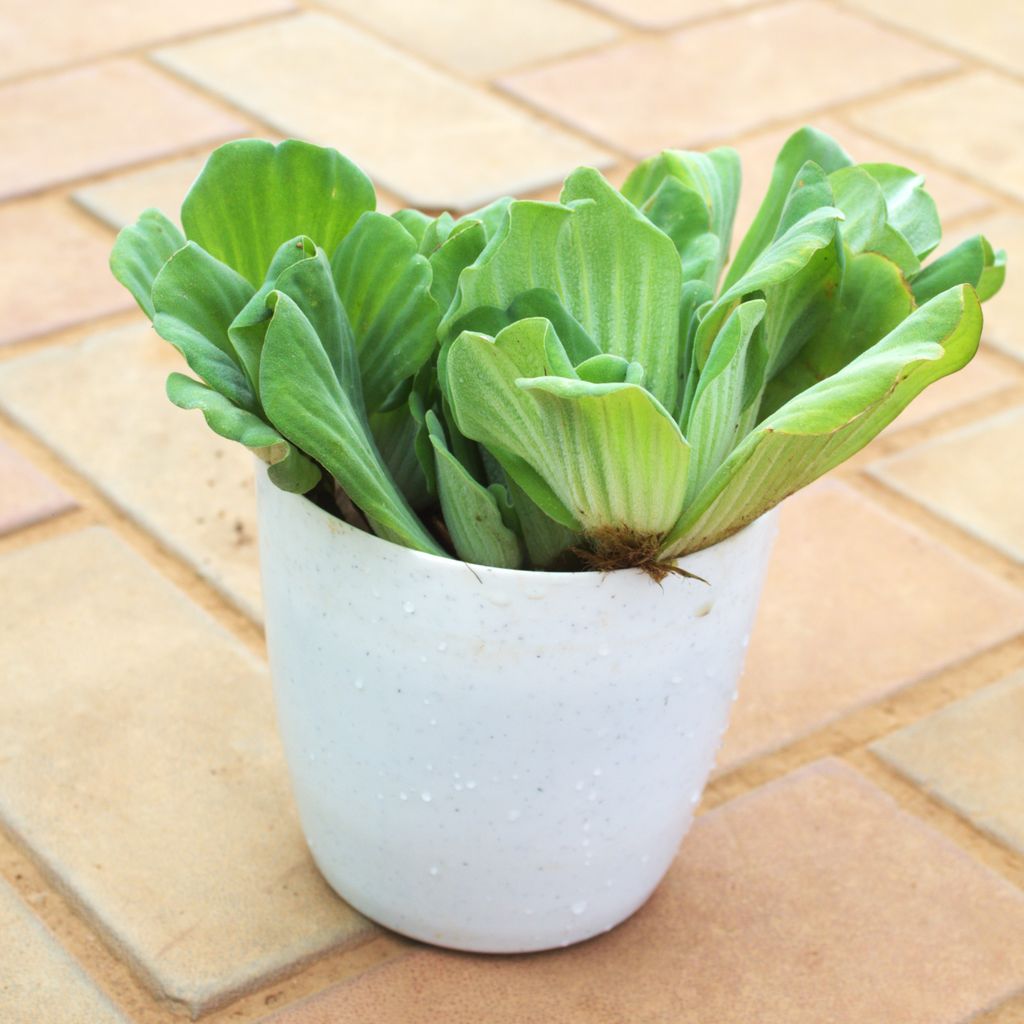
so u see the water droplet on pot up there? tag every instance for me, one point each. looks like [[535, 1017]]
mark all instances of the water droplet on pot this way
[[408, 607], [312, 755], [746, 641], [676, 680], [433, 721], [513, 815], [585, 843], [603, 651], [435, 870], [695, 798], [579, 786], [579, 907], [609, 882], [501, 600], [357, 683], [380, 796], [458, 787], [592, 795], [470, 784], [403, 796], [442, 646], [528, 911], [645, 858], [597, 771], [426, 797]]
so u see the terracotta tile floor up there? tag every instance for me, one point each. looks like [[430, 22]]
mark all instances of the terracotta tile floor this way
[[861, 857]]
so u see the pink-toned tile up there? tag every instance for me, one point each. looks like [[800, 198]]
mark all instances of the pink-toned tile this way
[[83, 122], [720, 79], [55, 271], [428, 137], [858, 603], [812, 900], [655, 14], [26, 495], [970, 123], [38, 36], [971, 477]]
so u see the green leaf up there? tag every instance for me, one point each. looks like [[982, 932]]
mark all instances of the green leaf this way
[[860, 198], [140, 252], [972, 262], [310, 284], [414, 221], [395, 435], [728, 395], [304, 401], [596, 456], [692, 197], [471, 511], [825, 425], [447, 262], [384, 285], [910, 209], [625, 295], [798, 275], [492, 216], [874, 299], [195, 298], [802, 146], [250, 325], [252, 196], [547, 541], [289, 468]]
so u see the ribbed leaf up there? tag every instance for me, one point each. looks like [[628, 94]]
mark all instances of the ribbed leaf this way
[[972, 262], [873, 301], [140, 252], [195, 299], [829, 422], [459, 249], [692, 197], [395, 435], [802, 146], [304, 401], [729, 393], [605, 455], [471, 511], [248, 328], [252, 196], [625, 295], [289, 468], [910, 209], [384, 285]]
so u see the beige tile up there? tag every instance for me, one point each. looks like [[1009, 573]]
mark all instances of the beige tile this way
[[814, 900], [119, 200], [718, 80], [482, 37], [857, 604], [38, 980], [142, 768], [981, 377], [421, 134], [654, 14], [46, 35], [971, 756], [101, 405], [971, 123], [86, 121], [971, 477], [955, 198], [55, 270], [993, 31], [26, 494]]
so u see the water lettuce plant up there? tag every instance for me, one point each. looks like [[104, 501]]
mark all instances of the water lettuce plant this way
[[582, 384]]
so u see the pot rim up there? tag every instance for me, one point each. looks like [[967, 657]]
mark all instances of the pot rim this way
[[453, 564]]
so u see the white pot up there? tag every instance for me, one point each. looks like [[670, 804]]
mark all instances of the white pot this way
[[496, 760]]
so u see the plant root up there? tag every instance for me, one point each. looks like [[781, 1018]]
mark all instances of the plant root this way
[[619, 547]]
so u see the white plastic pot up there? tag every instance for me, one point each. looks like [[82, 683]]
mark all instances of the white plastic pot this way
[[495, 760]]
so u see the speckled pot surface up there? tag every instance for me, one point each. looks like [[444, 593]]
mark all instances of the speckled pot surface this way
[[495, 760]]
